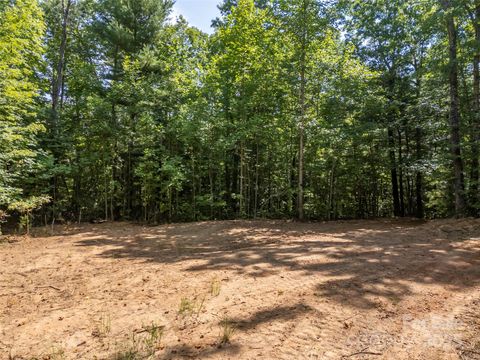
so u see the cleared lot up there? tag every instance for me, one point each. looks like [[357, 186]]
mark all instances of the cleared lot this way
[[244, 290]]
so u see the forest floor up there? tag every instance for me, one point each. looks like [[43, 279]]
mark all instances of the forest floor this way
[[243, 290]]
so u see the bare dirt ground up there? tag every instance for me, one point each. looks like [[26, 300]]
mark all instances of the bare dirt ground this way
[[244, 290]]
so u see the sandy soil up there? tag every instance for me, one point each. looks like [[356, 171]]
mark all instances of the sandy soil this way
[[274, 289]]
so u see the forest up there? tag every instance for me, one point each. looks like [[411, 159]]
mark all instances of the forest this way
[[307, 109]]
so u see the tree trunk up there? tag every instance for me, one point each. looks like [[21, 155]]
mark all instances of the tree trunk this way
[[105, 174], [419, 209], [331, 191], [300, 173], [301, 125], [390, 86], [400, 174], [115, 206], [234, 183], [57, 83], [194, 195], [419, 177], [474, 187], [57, 86], [242, 180], [393, 173], [459, 181], [257, 165], [409, 182]]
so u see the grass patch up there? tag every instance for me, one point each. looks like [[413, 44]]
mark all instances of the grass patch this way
[[55, 353], [103, 326], [143, 343], [215, 287], [191, 307], [228, 329]]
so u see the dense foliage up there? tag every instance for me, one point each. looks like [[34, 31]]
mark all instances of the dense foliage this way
[[292, 108]]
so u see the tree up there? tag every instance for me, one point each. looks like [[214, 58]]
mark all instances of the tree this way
[[25, 208], [393, 38], [474, 193], [21, 32], [301, 20], [459, 181]]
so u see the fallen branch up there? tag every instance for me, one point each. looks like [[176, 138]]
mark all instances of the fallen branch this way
[[349, 318], [47, 287], [363, 352], [21, 274]]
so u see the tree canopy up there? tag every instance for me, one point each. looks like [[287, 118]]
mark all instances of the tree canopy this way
[[302, 108]]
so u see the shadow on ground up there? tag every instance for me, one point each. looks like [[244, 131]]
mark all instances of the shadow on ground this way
[[349, 263], [376, 257]]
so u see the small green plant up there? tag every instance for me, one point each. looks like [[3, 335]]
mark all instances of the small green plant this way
[[191, 307], [55, 354], [129, 354], [103, 326], [215, 287], [129, 351], [200, 306], [186, 307], [143, 344], [152, 340], [228, 330]]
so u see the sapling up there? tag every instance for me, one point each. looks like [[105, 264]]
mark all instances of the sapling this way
[[26, 206]]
